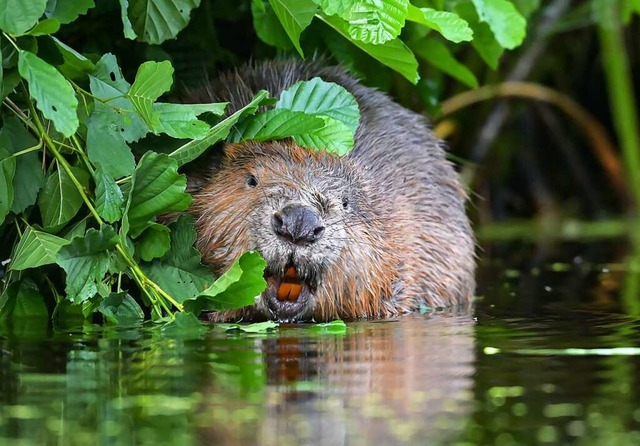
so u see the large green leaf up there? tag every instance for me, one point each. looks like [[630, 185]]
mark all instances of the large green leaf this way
[[75, 64], [53, 94], [181, 120], [127, 27], [7, 172], [393, 53], [340, 7], [109, 198], [106, 143], [17, 16], [23, 299], [180, 272], [107, 83], [236, 288], [36, 248], [267, 26], [376, 21], [275, 124], [324, 98], [155, 21], [218, 132], [44, 28], [505, 21], [60, 200], [121, 309], [333, 137], [484, 41], [154, 242], [152, 80], [157, 189], [295, 16], [437, 54], [66, 11], [86, 260], [449, 24]]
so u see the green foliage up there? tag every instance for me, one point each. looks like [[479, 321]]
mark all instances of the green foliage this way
[[82, 198]]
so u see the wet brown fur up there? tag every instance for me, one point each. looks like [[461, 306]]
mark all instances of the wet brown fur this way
[[406, 241]]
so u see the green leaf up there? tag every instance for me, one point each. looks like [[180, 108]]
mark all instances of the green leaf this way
[[75, 64], [45, 27], [258, 327], [218, 132], [185, 325], [333, 137], [154, 242], [484, 41], [295, 16], [36, 248], [276, 124], [152, 80], [267, 26], [333, 327], [127, 27], [528, 7], [157, 189], [180, 120], [28, 178], [155, 21], [67, 11], [106, 145], [449, 24], [393, 53], [324, 98], [339, 7], [109, 199], [22, 299], [505, 21], [236, 288], [437, 54], [180, 272], [18, 16], [86, 260], [53, 94], [121, 309], [60, 201], [376, 21], [7, 172]]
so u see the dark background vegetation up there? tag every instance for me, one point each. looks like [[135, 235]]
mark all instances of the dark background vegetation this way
[[524, 158]]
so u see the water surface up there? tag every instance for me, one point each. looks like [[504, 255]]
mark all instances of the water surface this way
[[547, 357]]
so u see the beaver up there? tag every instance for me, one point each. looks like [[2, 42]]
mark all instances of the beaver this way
[[376, 233]]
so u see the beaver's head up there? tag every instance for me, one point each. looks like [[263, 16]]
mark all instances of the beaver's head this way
[[311, 216]]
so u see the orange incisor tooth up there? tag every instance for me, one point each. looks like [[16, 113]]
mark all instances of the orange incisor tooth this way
[[284, 291]]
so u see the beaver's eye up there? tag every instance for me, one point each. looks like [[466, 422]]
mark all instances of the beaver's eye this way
[[345, 203], [252, 181]]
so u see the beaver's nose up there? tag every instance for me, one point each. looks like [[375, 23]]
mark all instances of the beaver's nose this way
[[300, 225]]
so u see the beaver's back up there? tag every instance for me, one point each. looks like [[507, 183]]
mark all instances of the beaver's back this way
[[418, 191]]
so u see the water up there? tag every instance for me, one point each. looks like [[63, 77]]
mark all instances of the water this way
[[547, 357]]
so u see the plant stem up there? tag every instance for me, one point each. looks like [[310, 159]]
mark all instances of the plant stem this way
[[622, 97]]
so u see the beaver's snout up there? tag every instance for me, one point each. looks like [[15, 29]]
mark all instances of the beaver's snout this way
[[297, 224]]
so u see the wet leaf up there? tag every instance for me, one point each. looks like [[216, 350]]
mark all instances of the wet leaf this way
[[86, 260], [22, 299], [121, 309], [258, 327], [236, 288]]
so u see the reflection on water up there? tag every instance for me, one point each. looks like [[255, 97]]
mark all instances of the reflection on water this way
[[395, 382], [508, 375]]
